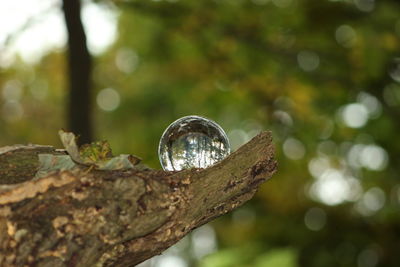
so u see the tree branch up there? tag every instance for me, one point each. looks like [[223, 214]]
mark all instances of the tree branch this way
[[119, 218]]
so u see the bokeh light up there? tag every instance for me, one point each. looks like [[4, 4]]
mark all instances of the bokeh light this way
[[108, 99], [346, 36], [355, 115], [315, 219]]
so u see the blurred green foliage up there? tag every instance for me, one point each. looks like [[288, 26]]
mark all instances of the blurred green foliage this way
[[251, 256], [321, 75]]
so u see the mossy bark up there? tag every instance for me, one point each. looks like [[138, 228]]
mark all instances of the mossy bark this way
[[116, 218]]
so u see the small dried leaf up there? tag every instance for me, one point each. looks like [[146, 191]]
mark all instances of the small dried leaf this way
[[68, 139], [97, 154]]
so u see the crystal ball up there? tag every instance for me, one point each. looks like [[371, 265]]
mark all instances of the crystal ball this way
[[192, 142]]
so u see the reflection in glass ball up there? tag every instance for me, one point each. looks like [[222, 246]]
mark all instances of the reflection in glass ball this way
[[192, 142]]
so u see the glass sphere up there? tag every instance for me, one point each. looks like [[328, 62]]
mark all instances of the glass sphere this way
[[192, 142]]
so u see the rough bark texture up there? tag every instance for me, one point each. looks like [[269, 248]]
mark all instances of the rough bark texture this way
[[79, 70], [116, 218]]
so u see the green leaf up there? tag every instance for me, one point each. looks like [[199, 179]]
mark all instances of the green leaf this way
[[95, 152], [284, 257]]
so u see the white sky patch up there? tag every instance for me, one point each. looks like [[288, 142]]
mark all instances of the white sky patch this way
[[203, 241], [170, 261], [171, 256], [374, 158], [100, 24], [371, 157], [45, 28], [14, 14], [333, 188], [372, 104], [44, 31], [317, 166], [353, 155], [354, 115]]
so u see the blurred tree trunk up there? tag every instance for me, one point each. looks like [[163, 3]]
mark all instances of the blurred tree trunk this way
[[80, 67]]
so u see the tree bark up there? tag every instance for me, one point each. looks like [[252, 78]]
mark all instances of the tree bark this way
[[116, 218], [79, 75]]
